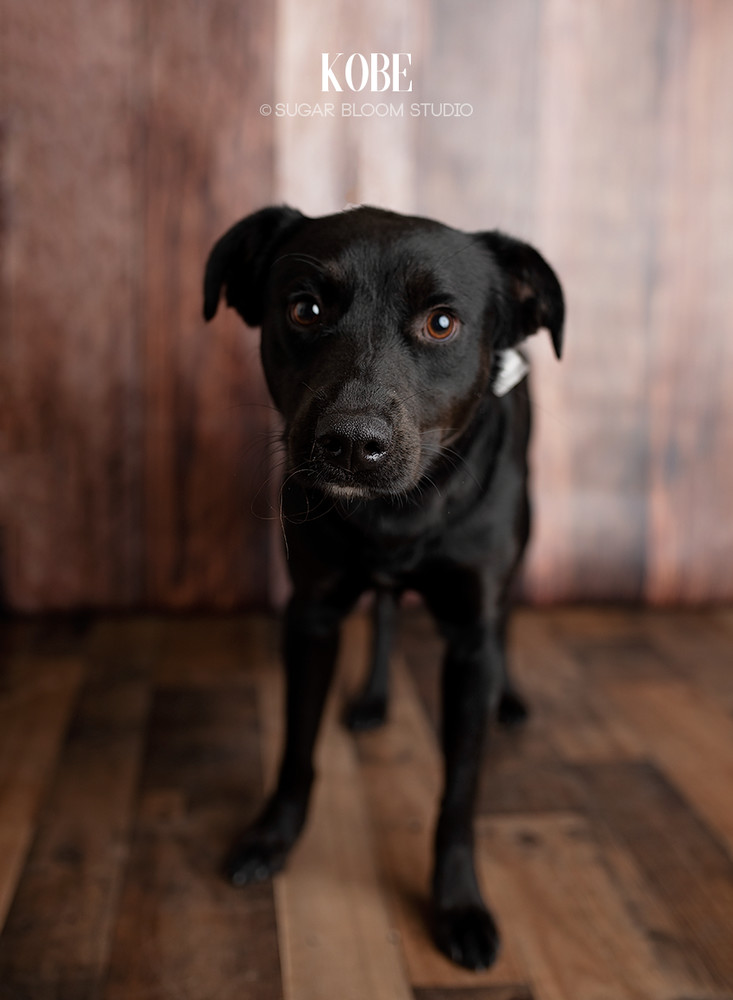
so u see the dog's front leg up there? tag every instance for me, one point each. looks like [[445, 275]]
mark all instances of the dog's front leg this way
[[369, 709], [310, 649], [472, 684]]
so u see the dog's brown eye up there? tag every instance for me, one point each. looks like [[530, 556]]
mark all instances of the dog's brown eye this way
[[305, 312], [440, 325]]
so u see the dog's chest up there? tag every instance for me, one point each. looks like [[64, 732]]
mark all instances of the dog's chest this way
[[394, 546]]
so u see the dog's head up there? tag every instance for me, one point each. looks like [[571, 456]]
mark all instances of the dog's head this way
[[378, 333]]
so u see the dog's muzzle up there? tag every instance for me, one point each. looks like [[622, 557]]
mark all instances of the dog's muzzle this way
[[353, 443], [357, 444]]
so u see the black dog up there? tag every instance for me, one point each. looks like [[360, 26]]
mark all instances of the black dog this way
[[382, 336]]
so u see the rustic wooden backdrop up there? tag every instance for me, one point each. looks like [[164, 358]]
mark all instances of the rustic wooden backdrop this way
[[136, 463]]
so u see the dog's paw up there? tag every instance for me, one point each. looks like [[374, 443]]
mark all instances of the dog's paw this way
[[253, 860], [365, 713], [512, 709], [468, 936]]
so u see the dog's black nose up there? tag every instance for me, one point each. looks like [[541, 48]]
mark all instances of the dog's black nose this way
[[356, 443]]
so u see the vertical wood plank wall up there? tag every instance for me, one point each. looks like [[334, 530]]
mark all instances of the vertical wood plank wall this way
[[136, 458]]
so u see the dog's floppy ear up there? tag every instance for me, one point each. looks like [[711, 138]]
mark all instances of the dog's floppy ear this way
[[536, 298], [240, 259]]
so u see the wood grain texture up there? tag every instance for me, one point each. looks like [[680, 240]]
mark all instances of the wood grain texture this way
[[181, 927], [36, 699], [475, 993], [688, 868], [132, 750], [689, 398], [136, 458], [590, 144], [70, 338], [690, 738], [698, 651], [79, 848], [135, 439], [208, 161], [598, 78], [585, 944]]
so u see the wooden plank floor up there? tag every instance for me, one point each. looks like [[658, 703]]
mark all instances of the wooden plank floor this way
[[132, 749]]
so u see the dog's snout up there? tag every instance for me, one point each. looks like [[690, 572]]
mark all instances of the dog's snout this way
[[356, 443]]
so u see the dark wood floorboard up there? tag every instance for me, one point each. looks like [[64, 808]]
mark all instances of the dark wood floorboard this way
[[178, 924]]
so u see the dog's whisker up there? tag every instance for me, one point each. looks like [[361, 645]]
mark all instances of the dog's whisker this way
[[317, 393], [302, 258], [471, 242]]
